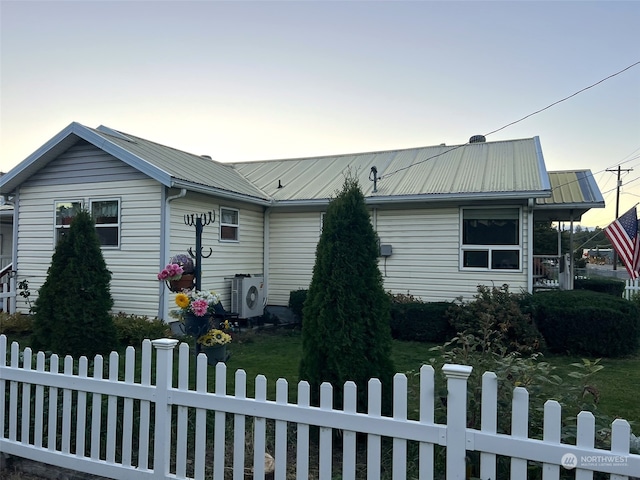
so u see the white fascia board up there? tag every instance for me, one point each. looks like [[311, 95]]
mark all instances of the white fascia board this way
[[544, 175], [425, 198]]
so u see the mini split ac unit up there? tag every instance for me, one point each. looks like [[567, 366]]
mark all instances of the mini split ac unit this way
[[247, 296]]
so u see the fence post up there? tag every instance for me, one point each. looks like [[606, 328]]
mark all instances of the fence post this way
[[162, 430], [457, 376]]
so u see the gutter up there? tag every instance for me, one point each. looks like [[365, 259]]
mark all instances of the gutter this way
[[226, 194]]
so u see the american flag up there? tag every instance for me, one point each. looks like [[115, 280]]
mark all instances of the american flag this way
[[623, 234]]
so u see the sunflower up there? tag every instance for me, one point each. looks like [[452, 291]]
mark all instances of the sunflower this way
[[182, 300]]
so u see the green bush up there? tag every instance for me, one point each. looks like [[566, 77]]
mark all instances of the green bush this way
[[603, 285], [15, 324], [422, 322], [72, 311], [132, 329], [345, 323], [587, 323], [296, 301], [500, 317]]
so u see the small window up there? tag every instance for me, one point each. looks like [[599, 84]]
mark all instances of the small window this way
[[65, 211], [106, 214], [229, 222], [491, 239]]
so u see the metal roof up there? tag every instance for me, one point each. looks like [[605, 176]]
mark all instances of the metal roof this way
[[502, 170], [513, 168], [573, 192]]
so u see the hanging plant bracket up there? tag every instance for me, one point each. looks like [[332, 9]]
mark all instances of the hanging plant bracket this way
[[199, 221]]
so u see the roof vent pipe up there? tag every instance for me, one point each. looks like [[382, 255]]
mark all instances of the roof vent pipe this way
[[374, 174], [477, 139]]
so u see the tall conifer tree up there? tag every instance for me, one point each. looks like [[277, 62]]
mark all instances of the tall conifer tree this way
[[72, 311], [345, 332]]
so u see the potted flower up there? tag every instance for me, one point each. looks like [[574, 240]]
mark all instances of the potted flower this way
[[195, 307], [214, 345], [178, 274]]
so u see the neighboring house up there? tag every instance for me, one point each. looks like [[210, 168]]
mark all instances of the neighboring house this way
[[449, 217]]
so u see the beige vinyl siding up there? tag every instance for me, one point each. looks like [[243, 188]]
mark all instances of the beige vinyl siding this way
[[227, 258], [425, 259], [293, 238], [133, 265], [426, 252]]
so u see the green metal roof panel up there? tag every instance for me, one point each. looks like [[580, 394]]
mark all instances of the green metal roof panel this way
[[507, 167], [183, 166], [572, 188]]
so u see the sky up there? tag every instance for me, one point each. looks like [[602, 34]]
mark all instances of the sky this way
[[242, 81]]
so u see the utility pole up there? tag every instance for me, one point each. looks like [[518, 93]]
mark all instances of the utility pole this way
[[619, 170]]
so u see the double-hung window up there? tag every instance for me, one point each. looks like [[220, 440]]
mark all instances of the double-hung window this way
[[491, 239], [106, 214], [229, 224], [65, 211]]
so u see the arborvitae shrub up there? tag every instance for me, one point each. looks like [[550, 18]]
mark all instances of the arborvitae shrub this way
[[603, 285], [72, 309], [587, 323], [421, 322], [345, 327]]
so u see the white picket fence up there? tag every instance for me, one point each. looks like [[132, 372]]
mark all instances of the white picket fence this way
[[632, 287], [82, 421]]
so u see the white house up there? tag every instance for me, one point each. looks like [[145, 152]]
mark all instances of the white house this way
[[449, 217]]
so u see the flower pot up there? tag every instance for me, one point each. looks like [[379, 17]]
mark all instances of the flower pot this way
[[215, 354], [194, 325], [185, 283]]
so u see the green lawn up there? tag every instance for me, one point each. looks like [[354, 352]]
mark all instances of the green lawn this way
[[276, 353]]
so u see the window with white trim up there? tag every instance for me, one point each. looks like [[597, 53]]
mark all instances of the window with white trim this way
[[106, 214], [64, 213], [229, 224], [491, 239]]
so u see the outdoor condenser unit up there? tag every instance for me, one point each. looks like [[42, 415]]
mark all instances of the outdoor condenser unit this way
[[247, 296]]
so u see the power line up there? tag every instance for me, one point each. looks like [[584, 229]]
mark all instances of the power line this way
[[514, 122], [565, 98]]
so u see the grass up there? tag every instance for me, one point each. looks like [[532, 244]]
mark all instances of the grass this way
[[275, 353]]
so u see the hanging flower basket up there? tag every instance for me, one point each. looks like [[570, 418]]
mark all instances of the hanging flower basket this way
[[185, 282]]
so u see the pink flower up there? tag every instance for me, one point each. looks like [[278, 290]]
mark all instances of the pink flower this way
[[170, 272], [199, 307]]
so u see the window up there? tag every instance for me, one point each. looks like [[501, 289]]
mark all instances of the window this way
[[106, 214], [491, 239], [65, 211], [229, 224]]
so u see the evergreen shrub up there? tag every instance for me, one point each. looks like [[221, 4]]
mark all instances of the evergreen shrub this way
[[72, 311], [421, 322], [587, 323], [603, 285], [345, 324]]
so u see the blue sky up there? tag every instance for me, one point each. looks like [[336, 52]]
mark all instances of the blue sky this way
[[259, 80]]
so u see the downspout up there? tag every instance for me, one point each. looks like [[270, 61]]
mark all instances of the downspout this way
[[165, 242], [265, 254], [530, 245]]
